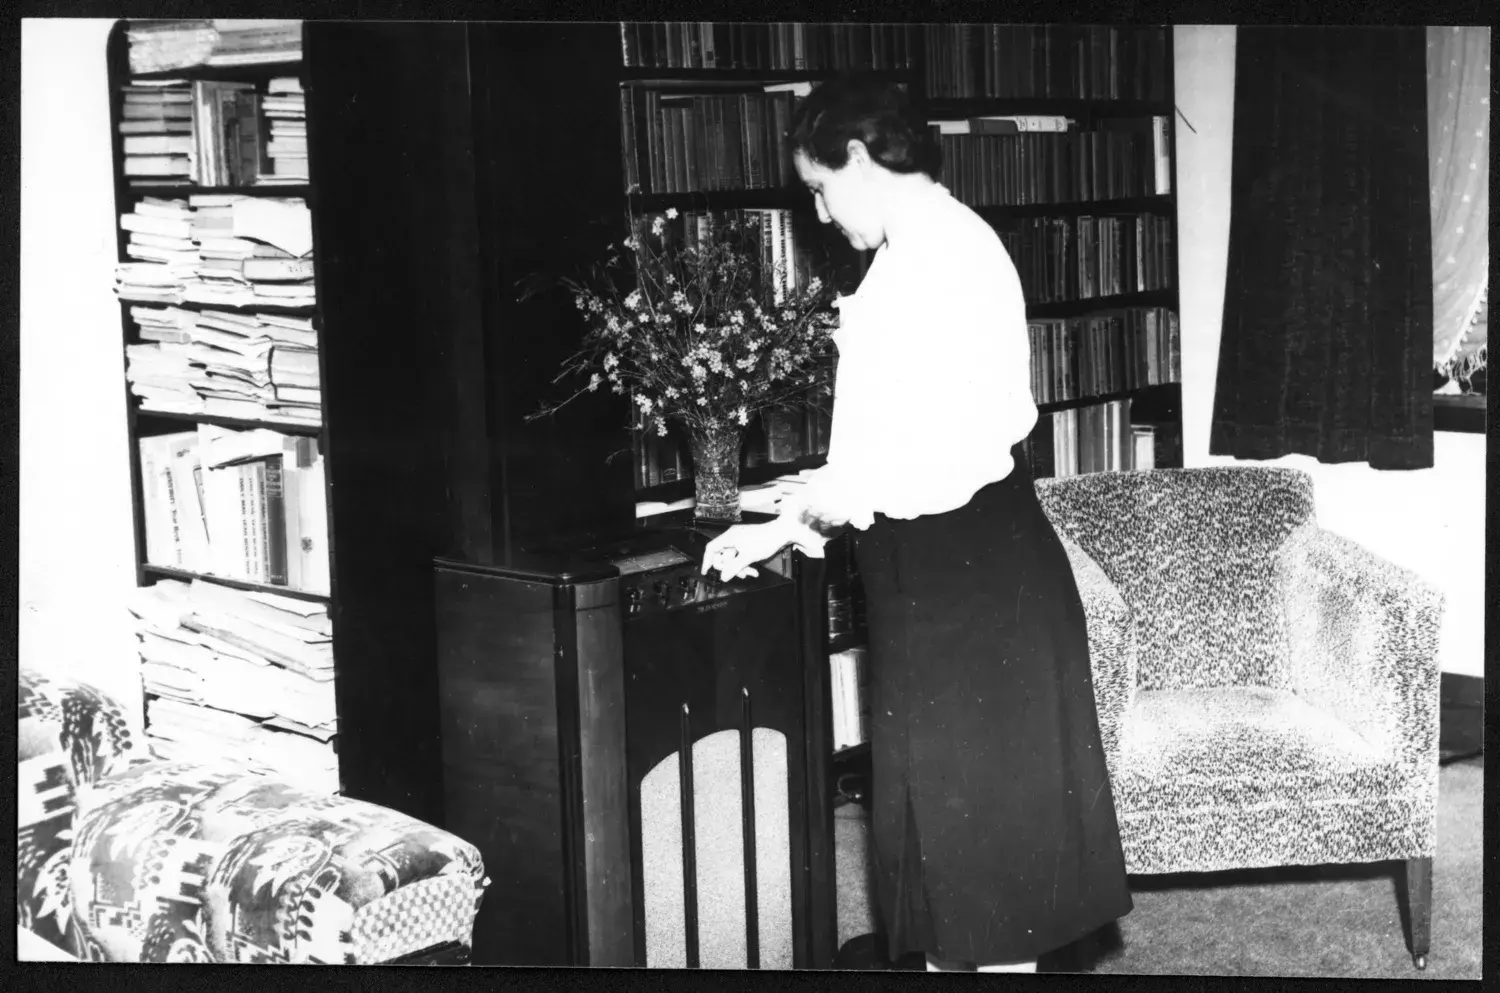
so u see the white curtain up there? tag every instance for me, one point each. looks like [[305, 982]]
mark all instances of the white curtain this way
[[1458, 141]]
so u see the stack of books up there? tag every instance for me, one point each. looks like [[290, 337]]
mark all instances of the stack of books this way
[[247, 505], [159, 46], [226, 364], [285, 106], [219, 249], [156, 124], [241, 677]]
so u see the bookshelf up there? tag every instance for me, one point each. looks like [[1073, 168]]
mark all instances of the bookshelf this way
[[371, 604], [1103, 321]]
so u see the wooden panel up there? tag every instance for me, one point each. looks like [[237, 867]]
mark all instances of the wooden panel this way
[[396, 246], [546, 129], [501, 773], [601, 727]]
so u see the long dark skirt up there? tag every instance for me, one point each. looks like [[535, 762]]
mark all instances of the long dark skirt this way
[[995, 836]]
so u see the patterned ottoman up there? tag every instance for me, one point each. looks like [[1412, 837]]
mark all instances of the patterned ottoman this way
[[129, 859]]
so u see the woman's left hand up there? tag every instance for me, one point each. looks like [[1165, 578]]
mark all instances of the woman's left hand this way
[[734, 551]]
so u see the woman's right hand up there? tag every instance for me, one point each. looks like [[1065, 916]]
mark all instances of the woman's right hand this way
[[734, 552]]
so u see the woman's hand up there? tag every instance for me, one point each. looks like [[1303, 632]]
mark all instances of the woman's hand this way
[[734, 551]]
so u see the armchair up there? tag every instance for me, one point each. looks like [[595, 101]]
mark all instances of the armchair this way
[[1267, 690]]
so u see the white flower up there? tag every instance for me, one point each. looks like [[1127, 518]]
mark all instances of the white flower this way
[[743, 415], [815, 285], [618, 388], [672, 213], [673, 392], [737, 318], [658, 226], [661, 429], [644, 402], [594, 382], [703, 401], [701, 328], [633, 300], [611, 360]]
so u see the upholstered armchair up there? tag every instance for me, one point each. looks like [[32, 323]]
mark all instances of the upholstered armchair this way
[[1267, 690]]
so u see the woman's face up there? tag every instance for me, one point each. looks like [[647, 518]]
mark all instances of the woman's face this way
[[848, 197]]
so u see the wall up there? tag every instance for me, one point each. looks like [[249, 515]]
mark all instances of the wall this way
[[1431, 520], [76, 551]]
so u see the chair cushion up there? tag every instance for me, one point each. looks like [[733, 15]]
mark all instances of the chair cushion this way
[[187, 862], [1192, 551], [1238, 747]]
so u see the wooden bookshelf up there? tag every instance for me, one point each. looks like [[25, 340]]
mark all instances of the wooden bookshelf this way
[[1148, 96], [381, 534]]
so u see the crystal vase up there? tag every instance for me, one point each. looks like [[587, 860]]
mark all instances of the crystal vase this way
[[716, 471]]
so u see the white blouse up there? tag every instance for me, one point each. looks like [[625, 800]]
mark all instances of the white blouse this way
[[933, 385]]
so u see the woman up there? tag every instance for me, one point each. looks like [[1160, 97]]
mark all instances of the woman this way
[[994, 827]]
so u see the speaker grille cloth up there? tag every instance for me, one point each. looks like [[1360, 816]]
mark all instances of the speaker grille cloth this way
[[720, 852]]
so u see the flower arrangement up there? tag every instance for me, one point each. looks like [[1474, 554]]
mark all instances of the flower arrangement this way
[[697, 327]]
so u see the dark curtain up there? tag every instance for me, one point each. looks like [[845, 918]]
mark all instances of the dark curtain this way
[[1326, 347]]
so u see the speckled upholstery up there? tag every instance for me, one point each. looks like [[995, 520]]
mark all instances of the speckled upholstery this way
[[1268, 690]]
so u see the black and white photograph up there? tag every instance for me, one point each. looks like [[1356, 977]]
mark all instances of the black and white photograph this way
[[867, 496]]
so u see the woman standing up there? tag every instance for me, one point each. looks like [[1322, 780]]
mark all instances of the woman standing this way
[[994, 827]]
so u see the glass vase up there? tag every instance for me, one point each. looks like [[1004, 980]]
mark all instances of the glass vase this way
[[716, 471]]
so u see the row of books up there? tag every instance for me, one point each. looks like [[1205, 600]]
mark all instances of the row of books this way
[[212, 133], [1086, 258], [242, 677], [767, 45], [1059, 61], [1107, 352], [162, 45], [247, 505], [702, 141], [1051, 163], [246, 366], [849, 675], [1097, 438], [227, 250]]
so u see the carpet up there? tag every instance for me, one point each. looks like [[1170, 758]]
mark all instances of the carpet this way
[[1327, 921]]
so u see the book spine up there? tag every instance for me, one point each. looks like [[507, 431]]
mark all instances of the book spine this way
[[276, 529]]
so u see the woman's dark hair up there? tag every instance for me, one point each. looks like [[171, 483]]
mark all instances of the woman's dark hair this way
[[877, 112]]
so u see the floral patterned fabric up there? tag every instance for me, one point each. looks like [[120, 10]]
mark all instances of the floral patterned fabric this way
[[1283, 706], [130, 859]]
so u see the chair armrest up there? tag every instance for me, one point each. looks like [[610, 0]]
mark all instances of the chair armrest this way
[[1362, 642], [1112, 647]]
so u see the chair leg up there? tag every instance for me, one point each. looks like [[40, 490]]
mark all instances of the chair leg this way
[[1419, 902]]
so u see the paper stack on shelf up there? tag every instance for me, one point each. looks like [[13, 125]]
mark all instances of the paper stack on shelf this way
[[253, 366], [244, 41], [156, 46], [219, 249], [213, 663], [285, 106], [160, 45]]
